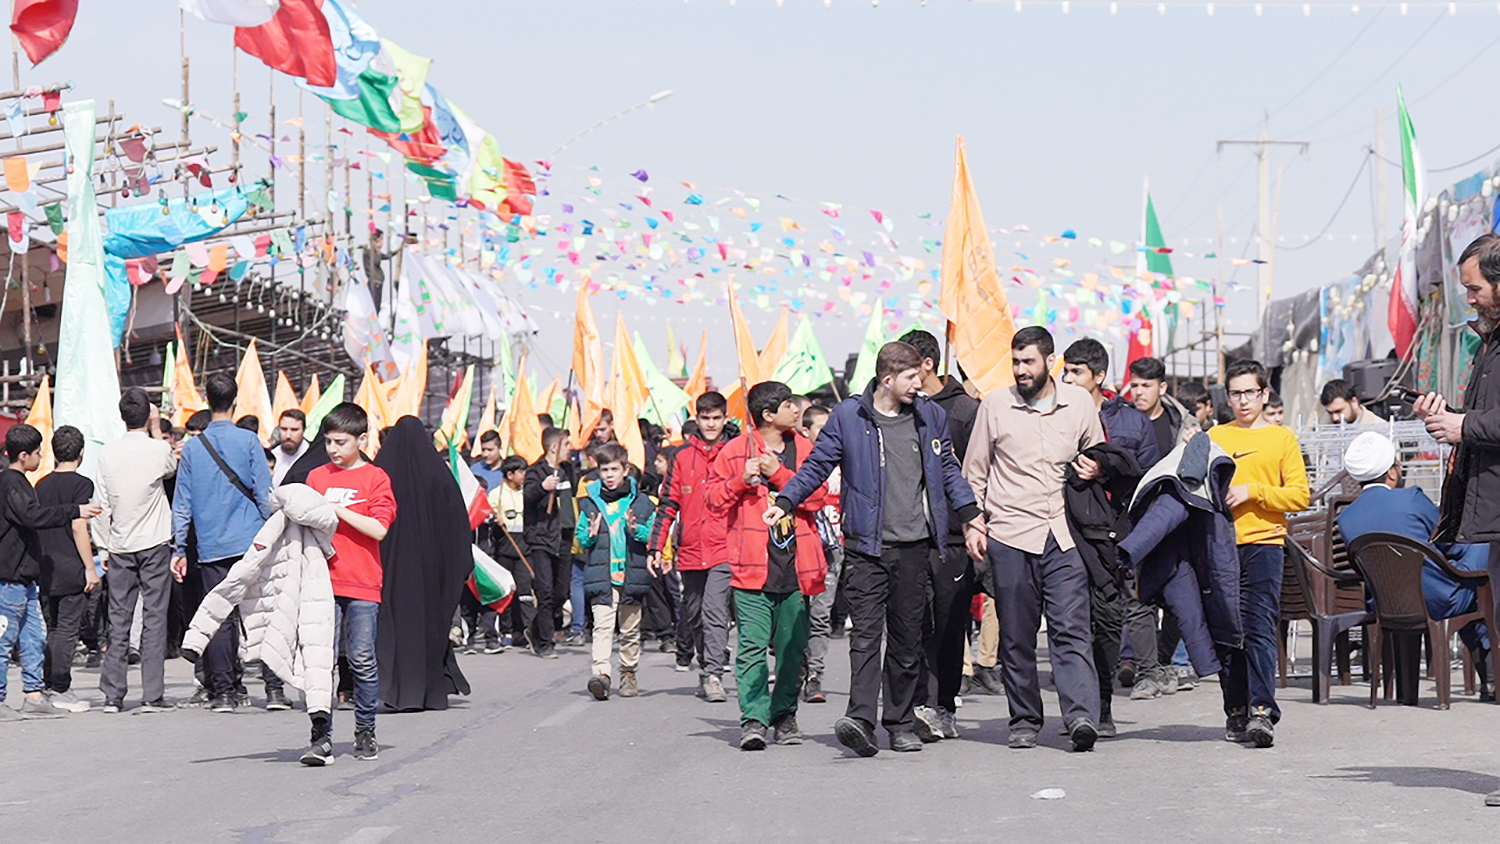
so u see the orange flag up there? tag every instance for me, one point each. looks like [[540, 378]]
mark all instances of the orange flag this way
[[548, 396], [185, 395], [253, 398], [486, 417], [588, 362], [775, 348], [697, 385], [284, 399], [573, 426], [310, 398], [526, 431], [973, 300], [40, 418], [629, 394], [372, 398], [744, 344], [412, 386]]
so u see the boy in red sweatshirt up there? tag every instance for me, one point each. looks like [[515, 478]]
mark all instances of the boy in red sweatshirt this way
[[360, 493]]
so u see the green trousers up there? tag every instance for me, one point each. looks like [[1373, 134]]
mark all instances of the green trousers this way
[[769, 620]]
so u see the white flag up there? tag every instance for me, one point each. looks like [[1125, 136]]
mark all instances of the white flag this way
[[232, 12]]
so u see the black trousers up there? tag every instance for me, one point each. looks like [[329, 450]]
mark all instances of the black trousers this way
[[946, 629], [887, 600], [521, 613], [221, 654], [64, 615], [1107, 612], [550, 593]]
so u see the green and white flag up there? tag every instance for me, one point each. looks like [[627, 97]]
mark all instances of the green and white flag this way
[[1404, 300], [803, 367], [864, 369], [666, 404]]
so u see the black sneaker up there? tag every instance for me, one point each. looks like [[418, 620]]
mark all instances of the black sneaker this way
[[752, 736], [1259, 730], [966, 686], [319, 753], [988, 680], [1083, 734], [365, 746], [1126, 675], [812, 690], [200, 698], [599, 686], [241, 696], [95, 659], [905, 741], [276, 701], [855, 735], [1234, 726], [492, 646], [225, 702], [161, 704], [575, 640], [114, 705], [133, 657], [787, 731], [1022, 739]]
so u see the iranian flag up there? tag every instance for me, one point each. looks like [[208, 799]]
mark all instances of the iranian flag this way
[[490, 583], [1403, 307], [468, 486]]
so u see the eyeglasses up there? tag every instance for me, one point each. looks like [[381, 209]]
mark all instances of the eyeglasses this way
[[1245, 395]]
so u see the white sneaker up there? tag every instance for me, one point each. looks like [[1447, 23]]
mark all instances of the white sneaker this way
[[925, 724], [69, 702]]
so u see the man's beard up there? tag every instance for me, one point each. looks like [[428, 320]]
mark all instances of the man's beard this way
[[1487, 320], [1037, 385]]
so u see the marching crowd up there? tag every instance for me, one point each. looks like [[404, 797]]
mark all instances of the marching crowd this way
[[1147, 531]]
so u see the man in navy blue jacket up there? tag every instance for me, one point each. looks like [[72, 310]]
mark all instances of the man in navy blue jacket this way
[[901, 485]]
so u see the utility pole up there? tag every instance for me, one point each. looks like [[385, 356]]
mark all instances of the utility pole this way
[[1380, 206], [1265, 226]]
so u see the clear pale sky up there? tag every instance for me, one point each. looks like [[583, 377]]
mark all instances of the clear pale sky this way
[[1064, 114]]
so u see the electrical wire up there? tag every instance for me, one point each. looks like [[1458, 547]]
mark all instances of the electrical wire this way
[[1464, 163], [1373, 82], [1348, 193]]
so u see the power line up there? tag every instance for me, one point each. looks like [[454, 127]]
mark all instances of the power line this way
[[1464, 163], [1373, 82], [1348, 193]]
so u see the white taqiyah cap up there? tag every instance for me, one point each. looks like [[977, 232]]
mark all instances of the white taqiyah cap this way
[[1369, 456]]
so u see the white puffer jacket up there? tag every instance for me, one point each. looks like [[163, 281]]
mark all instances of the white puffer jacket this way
[[285, 598]]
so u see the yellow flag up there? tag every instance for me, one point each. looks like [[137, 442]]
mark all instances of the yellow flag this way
[[973, 300], [40, 418]]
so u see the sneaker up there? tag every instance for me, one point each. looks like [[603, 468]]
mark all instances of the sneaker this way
[[548, 652], [906, 741], [857, 736], [599, 686], [713, 689], [812, 690], [1107, 729], [200, 698], [1146, 688], [925, 725], [947, 723], [1187, 678], [225, 702], [8, 713], [1234, 726], [1083, 734], [41, 708], [241, 696], [493, 646], [667, 646], [95, 660], [113, 706], [319, 753], [1126, 675], [1022, 739], [787, 731], [68, 701], [276, 700], [456, 636], [344, 701], [365, 746], [752, 736], [1260, 731], [966, 686], [682, 667], [133, 657], [1167, 680], [1492, 799], [988, 681], [161, 704], [575, 640], [628, 685]]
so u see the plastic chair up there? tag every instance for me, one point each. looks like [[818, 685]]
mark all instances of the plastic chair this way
[[1392, 567], [1326, 627]]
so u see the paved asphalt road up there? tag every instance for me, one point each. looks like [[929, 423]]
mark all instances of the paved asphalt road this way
[[530, 757]]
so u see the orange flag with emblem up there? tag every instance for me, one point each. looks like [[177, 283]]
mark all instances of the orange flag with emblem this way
[[588, 363], [980, 325]]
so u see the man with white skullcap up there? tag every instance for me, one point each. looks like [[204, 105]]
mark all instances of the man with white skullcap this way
[[1384, 505]]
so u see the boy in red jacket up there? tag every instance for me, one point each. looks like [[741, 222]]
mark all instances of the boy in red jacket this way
[[773, 567], [700, 554], [361, 496]]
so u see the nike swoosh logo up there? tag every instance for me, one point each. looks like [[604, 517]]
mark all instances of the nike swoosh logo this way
[[957, 579], [1238, 454]]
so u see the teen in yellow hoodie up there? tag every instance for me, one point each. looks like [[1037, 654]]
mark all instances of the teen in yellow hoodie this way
[[1269, 481]]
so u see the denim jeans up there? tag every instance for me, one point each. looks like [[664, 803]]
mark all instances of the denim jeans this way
[[21, 623], [1249, 675], [575, 596], [355, 622]]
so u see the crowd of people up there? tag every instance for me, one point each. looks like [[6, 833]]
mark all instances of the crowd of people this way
[[935, 528]]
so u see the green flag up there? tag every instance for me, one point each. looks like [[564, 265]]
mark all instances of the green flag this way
[[373, 106], [1161, 263], [803, 367], [864, 369], [664, 398], [326, 402], [508, 372]]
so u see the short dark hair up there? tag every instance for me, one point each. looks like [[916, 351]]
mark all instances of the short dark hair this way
[[813, 414], [1486, 248], [346, 418], [249, 422], [896, 357], [1274, 400], [1246, 366], [611, 453], [551, 436], [21, 438], [221, 391], [925, 344], [1338, 388], [1150, 369], [1192, 394], [513, 463], [607, 416], [135, 408], [764, 398], [490, 437], [293, 413], [545, 419], [67, 444], [711, 401], [1033, 335], [198, 421], [1088, 352]]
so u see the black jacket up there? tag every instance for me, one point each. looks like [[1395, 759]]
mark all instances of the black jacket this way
[[1131, 429], [1471, 496], [546, 531], [21, 515], [1096, 509], [961, 409]]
